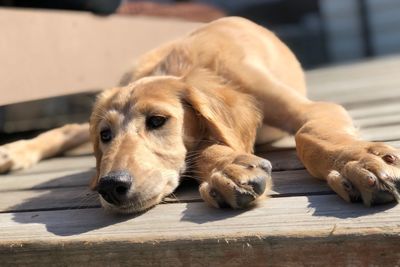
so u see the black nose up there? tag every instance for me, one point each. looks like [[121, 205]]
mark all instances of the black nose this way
[[115, 186]]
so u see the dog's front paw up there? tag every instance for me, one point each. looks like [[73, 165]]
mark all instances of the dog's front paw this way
[[17, 155], [239, 183], [370, 174]]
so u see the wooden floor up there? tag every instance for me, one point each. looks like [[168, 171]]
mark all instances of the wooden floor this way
[[49, 217]]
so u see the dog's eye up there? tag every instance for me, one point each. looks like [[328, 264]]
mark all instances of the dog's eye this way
[[154, 122], [105, 135]]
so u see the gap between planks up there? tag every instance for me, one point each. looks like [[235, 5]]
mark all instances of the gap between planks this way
[[286, 184]]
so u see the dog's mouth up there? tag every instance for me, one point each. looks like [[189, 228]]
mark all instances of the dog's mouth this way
[[139, 202], [132, 206], [118, 196]]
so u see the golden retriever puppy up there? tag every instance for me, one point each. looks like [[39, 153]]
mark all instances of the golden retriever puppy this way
[[198, 105]]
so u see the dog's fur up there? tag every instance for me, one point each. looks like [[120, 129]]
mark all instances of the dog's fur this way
[[221, 89]]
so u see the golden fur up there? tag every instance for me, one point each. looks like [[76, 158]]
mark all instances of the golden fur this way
[[221, 89]]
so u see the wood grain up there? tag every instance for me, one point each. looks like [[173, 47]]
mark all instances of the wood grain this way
[[286, 230], [46, 180], [379, 121], [381, 133], [377, 110], [359, 250], [373, 74], [283, 160], [65, 193], [60, 164]]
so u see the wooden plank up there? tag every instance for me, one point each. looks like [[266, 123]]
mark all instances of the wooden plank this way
[[381, 133], [395, 144], [358, 86], [62, 195], [297, 182], [46, 199], [72, 52], [378, 67], [243, 251], [60, 164], [46, 180], [66, 164], [72, 198], [381, 72], [283, 160], [381, 109], [378, 121], [77, 171], [364, 87], [361, 96], [289, 231]]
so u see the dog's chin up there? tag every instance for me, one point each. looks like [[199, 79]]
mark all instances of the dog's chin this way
[[139, 205], [131, 208]]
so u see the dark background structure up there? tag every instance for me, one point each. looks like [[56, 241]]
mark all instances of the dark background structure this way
[[320, 32]]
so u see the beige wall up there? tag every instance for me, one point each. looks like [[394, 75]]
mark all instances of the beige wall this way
[[51, 53]]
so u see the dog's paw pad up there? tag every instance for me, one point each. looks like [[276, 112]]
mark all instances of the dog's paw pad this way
[[244, 198], [219, 199]]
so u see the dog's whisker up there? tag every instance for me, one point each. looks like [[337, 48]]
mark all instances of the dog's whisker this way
[[174, 196], [192, 177], [192, 160]]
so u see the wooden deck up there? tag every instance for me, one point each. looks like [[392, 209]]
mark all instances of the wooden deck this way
[[48, 216]]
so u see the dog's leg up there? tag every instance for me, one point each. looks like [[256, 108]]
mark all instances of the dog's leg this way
[[230, 178], [327, 142], [25, 153], [329, 147]]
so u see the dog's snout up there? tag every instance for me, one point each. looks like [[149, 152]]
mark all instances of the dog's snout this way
[[115, 186]]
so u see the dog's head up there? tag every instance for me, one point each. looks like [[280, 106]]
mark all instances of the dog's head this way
[[142, 132]]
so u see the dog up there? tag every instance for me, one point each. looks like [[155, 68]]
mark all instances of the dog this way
[[198, 105]]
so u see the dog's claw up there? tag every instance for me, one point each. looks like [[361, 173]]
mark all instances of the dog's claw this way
[[244, 198], [373, 178], [5, 160], [218, 199]]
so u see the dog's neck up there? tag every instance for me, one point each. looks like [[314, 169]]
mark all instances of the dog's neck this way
[[180, 64]]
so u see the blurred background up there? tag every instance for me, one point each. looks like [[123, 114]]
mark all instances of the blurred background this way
[[320, 32]]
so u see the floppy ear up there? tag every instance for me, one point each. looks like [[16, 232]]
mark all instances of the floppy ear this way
[[230, 117]]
